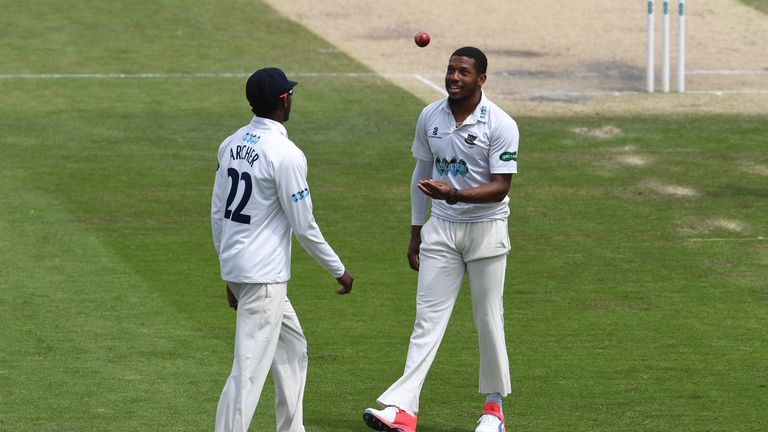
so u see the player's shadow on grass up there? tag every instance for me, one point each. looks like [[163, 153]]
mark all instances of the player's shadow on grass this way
[[443, 429], [357, 424], [338, 424]]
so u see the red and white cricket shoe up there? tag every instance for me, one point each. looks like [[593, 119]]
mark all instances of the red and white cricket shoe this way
[[492, 419], [390, 419]]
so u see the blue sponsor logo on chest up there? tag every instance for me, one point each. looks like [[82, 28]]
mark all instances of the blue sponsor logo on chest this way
[[454, 166]]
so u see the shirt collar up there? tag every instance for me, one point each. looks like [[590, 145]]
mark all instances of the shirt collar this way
[[268, 124], [480, 114]]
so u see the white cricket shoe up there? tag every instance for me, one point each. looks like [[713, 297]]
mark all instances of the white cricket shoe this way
[[492, 419]]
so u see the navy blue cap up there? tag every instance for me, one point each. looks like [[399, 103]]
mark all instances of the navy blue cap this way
[[265, 86]]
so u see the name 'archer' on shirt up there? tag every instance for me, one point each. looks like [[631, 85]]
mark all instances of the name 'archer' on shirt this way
[[244, 152]]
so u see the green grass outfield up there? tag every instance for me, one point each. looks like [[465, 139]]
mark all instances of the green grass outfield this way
[[761, 5], [629, 308]]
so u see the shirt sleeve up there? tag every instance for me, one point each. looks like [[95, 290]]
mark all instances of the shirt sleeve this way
[[294, 195], [420, 147], [217, 206], [503, 147], [419, 201]]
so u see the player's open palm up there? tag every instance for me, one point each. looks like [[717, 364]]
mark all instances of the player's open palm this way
[[435, 189]]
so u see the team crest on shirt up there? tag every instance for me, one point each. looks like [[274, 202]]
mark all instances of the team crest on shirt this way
[[300, 195], [454, 167], [470, 139]]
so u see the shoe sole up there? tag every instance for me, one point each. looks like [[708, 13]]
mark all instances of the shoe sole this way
[[376, 423]]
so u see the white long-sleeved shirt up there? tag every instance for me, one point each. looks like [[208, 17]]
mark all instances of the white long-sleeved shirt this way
[[260, 197]]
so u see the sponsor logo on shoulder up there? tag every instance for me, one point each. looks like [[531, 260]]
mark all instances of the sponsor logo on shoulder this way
[[508, 156], [250, 138], [300, 195]]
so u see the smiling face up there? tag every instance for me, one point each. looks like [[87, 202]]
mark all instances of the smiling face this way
[[462, 81]]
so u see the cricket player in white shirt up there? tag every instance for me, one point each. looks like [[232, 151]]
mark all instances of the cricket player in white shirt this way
[[466, 153], [260, 197]]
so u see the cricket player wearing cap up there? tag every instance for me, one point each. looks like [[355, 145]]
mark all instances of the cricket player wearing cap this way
[[466, 153], [260, 197]]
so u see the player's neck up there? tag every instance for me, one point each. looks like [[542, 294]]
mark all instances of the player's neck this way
[[462, 109], [276, 116]]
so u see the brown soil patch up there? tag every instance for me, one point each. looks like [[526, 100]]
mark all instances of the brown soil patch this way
[[758, 169], [711, 225], [552, 56], [669, 189], [628, 155], [633, 160], [600, 133]]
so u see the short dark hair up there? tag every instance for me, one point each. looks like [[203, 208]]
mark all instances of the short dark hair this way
[[481, 61]]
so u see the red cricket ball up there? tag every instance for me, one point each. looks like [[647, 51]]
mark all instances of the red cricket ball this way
[[421, 39]]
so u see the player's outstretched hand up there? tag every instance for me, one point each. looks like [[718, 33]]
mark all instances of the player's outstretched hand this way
[[231, 299], [345, 281], [435, 189]]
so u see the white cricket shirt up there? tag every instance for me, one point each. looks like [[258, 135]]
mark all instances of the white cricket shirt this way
[[486, 143], [260, 196]]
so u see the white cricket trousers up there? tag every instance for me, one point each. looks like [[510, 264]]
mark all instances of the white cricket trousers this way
[[268, 338], [448, 250]]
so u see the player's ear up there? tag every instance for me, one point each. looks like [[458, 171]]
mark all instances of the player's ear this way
[[481, 79]]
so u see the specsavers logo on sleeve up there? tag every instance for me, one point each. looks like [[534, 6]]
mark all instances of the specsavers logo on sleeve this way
[[508, 156]]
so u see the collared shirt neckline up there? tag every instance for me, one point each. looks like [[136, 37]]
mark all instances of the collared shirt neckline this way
[[476, 115], [265, 123]]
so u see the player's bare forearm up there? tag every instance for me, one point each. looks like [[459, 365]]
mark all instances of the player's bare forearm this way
[[494, 191], [414, 246]]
